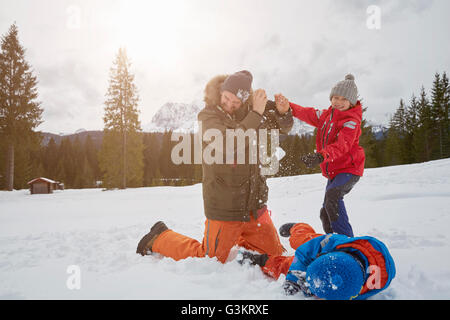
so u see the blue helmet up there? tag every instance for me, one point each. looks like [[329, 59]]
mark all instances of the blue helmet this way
[[335, 276]]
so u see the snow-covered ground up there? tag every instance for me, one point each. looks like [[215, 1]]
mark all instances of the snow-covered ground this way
[[407, 207]]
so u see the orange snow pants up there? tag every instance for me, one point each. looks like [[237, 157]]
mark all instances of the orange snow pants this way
[[300, 233], [220, 236]]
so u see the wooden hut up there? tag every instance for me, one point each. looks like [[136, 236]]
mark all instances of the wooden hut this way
[[42, 185]]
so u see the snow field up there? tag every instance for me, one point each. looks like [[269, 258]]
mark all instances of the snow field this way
[[407, 207]]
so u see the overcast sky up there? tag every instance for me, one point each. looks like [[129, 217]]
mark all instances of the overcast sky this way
[[298, 48]]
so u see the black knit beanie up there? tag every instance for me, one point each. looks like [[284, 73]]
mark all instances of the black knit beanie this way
[[239, 83]]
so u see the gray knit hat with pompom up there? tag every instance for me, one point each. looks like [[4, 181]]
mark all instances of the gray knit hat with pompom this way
[[347, 89]]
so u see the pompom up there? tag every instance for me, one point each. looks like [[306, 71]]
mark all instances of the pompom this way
[[350, 77]]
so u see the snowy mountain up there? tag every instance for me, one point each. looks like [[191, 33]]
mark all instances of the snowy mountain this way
[[183, 117], [80, 130], [176, 117], [96, 136], [379, 130], [45, 236], [301, 128]]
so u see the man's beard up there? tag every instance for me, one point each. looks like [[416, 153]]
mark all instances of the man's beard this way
[[228, 110]]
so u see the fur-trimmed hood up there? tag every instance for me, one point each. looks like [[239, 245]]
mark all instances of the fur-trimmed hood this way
[[213, 91]]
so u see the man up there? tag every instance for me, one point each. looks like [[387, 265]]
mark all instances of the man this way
[[234, 195]]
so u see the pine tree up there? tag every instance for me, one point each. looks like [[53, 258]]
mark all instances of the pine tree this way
[[157, 178], [109, 159], [380, 149], [92, 159], [67, 162], [437, 117], [368, 142], [2, 163], [58, 171], [20, 112], [147, 164], [399, 119], [395, 148], [411, 125], [445, 116], [121, 155], [422, 140], [151, 158], [167, 167], [50, 159], [85, 176], [78, 161], [23, 161], [392, 155]]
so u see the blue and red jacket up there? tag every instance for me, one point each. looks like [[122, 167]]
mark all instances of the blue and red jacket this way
[[337, 138], [379, 265]]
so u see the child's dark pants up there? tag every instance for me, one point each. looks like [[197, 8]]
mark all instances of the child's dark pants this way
[[333, 214]]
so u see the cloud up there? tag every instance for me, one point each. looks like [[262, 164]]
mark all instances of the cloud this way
[[69, 92], [299, 48], [416, 6]]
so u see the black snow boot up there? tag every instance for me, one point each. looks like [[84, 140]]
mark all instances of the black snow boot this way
[[285, 229], [146, 243], [252, 258]]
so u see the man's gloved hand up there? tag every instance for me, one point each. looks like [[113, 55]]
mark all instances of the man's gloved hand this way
[[252, 258], [312, 159]]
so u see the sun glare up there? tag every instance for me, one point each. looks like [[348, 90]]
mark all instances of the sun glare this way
[[150, 29]]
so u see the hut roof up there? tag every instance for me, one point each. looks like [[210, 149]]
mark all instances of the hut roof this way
[[41, 179]]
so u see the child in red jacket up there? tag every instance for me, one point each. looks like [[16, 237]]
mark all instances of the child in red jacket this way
[[338, 152]]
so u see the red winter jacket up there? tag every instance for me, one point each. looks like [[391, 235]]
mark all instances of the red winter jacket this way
[[337, 139]]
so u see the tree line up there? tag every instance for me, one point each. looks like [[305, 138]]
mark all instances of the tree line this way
[[76, 162], [127, 157], [419, 131]]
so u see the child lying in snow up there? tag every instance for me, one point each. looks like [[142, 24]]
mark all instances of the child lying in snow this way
[[332, 266]]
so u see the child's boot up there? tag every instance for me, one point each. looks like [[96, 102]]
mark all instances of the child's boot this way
[[285, 229]]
